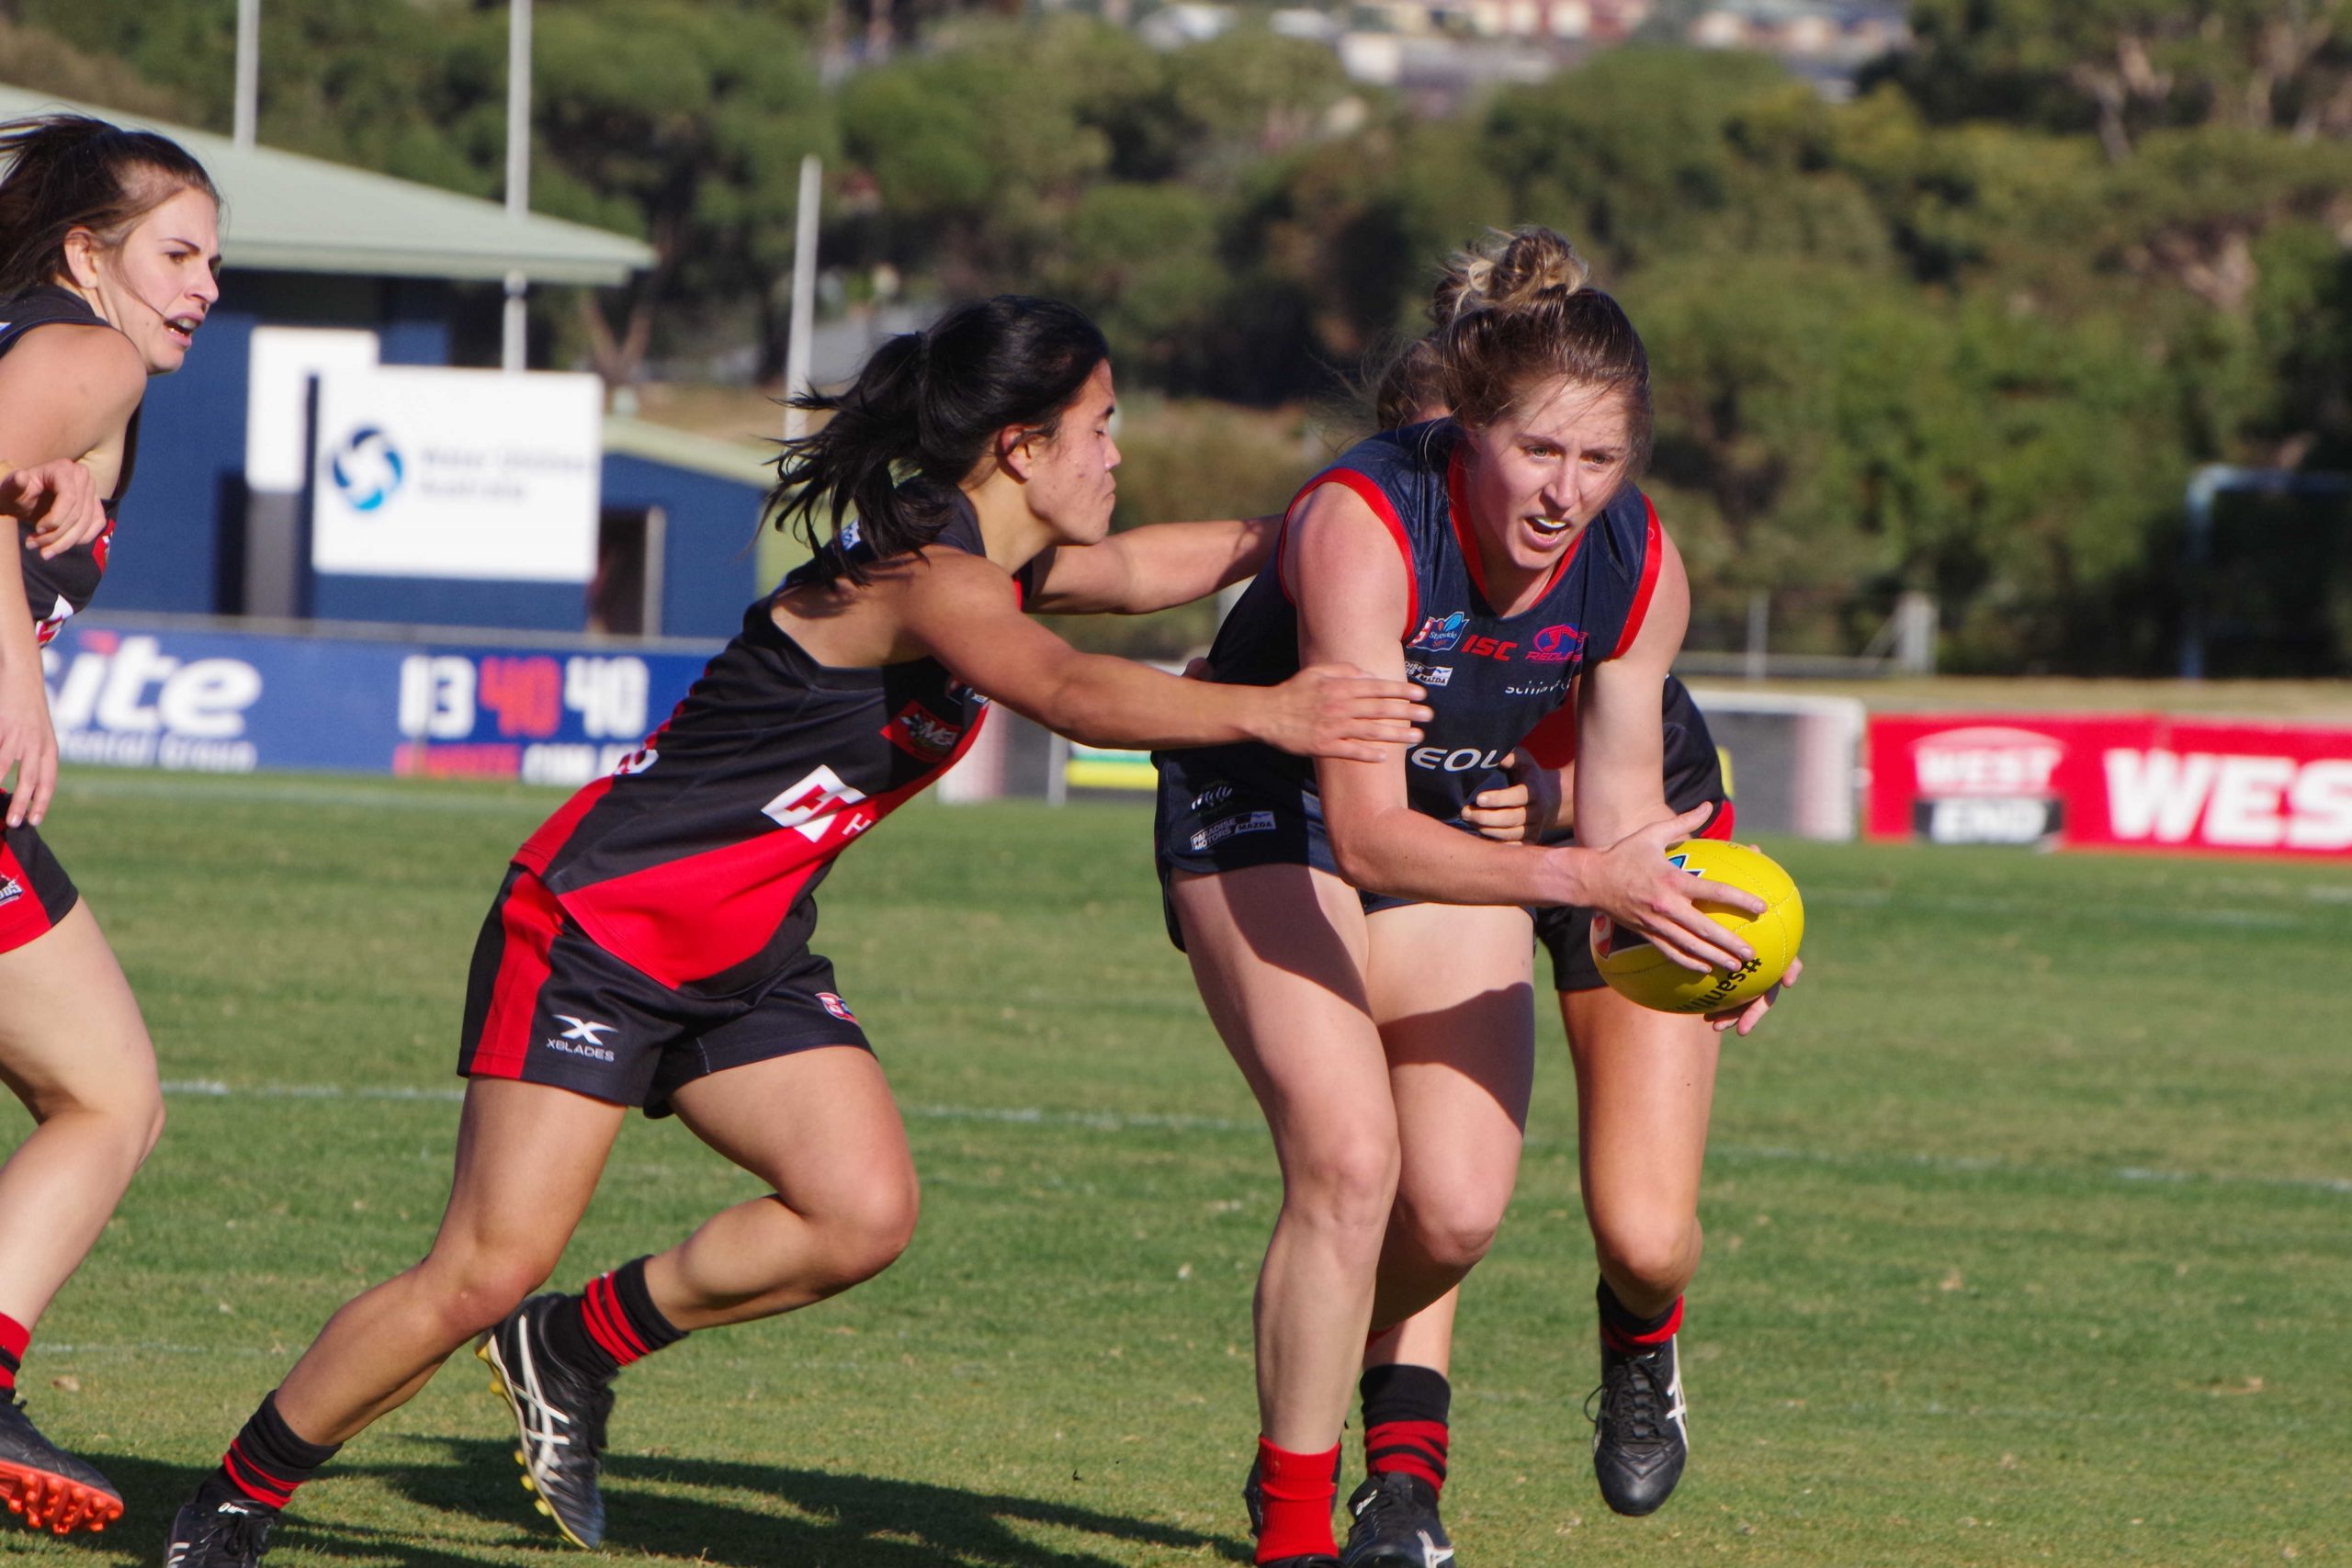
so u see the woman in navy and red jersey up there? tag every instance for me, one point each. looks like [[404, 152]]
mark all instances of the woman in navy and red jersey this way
[[1646, 1084], [1361, 949], [109, 242], [649, 946]]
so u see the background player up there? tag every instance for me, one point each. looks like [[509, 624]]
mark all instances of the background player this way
[[108, 243], [649, 944], [1491, 558]]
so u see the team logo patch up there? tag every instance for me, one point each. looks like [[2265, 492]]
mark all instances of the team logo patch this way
[[1225, 828], [1440, 633], [10, 890], [921, 733], [1554, 645], [1428, 675], [834, 1004], [582, 1039]]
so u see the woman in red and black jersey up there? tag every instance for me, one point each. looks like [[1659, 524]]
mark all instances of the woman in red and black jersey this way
[[650, 944], [108, 241]]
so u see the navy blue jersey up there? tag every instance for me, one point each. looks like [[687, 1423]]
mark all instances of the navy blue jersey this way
[[694, 861], [55, 590], [1491, 678]]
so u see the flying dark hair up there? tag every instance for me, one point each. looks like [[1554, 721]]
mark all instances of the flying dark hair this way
[[925, 406], [69, 172]]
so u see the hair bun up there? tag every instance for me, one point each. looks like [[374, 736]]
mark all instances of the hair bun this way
[[1512, 271]]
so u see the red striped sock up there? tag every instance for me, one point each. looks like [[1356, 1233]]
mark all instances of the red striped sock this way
[[266, 1461], [1628, 1334], [615, 1322], [14, 1337], [1297, 1491], [1404, 1412]]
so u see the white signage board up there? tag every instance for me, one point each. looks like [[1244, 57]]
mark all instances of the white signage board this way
[[279, 365], [479, 474]]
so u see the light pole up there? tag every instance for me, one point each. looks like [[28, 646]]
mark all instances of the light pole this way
[[246, 126], [518, 171]]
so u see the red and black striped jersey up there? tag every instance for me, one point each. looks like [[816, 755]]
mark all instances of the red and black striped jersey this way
[[56, 590], [694, 861]]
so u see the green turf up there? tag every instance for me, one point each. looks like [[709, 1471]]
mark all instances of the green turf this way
[[2030, 1219]]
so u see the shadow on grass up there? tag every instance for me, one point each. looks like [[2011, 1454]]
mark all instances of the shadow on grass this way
[[719, 1512], [716, 1510]]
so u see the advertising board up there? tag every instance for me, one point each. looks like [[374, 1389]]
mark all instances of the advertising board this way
[[472, 474], [235, 701], [2111, 780]]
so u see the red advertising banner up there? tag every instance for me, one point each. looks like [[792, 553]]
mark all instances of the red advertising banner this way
[[2111, 780]]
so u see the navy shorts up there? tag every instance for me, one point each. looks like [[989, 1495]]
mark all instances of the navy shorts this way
[[1205, 824], [545, 1004], [35, 892], [1694, 777]]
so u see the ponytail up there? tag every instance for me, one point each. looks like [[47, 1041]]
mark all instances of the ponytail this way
[[69, 170], [925, 407]]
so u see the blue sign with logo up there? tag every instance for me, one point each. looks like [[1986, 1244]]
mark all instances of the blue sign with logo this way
[[234, 702]]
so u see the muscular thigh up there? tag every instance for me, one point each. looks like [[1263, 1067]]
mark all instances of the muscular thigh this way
[[1451, 991], [70, 1031], [818, 1125], [1279, 952]]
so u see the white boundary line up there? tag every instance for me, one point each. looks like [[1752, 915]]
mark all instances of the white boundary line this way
[[1150, 1122]]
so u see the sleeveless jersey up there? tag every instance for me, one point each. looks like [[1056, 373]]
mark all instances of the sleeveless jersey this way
[[1491, 678], [695, 860], [55, 590]]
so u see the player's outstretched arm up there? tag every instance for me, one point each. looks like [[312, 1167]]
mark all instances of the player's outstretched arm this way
[[963, 611], [1153, 568]]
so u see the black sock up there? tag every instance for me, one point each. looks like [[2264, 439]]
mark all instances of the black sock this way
[[1404, 1412], [611, 1323], [266, 1461], [1624, 1330]]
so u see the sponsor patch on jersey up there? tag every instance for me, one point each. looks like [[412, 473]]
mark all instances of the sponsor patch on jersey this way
[[834, 1004], [1554, 645], [922, 734], [1440, 634], [1428, 675], [10, 888], [1225, 828], [1535, 688]]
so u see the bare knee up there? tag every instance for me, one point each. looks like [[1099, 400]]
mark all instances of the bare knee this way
[[1451, 1238], [1654, 1258], [472, 1289], [1347, 1183], [868, 1235]]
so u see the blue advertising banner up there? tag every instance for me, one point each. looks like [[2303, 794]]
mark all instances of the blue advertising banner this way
[[235, 701]]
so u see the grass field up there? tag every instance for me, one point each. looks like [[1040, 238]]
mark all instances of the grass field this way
[[2029, 1218]]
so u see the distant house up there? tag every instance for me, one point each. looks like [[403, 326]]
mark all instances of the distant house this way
[[313, 244]]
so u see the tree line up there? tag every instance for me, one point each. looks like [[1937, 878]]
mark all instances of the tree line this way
[[1968, 332]]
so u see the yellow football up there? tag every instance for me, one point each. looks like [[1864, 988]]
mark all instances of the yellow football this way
[[1641, 972]]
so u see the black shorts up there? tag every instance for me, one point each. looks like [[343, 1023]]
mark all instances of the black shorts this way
[[544, 1004], [1694, 777], [35, 892], [1205, 824]]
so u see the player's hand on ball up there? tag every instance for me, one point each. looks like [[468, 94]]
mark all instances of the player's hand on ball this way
[[1639, 890], [1745, 1019], [1337, 710]]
